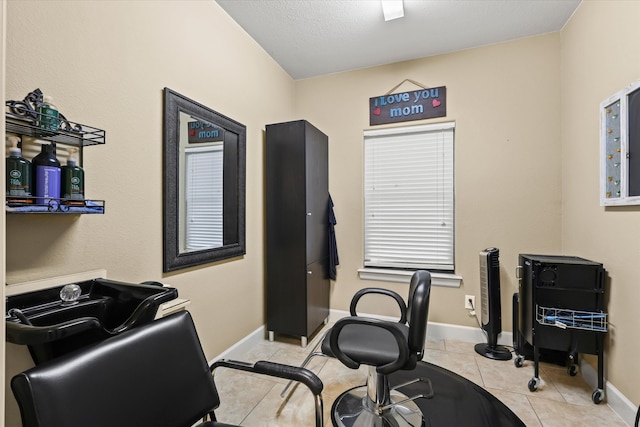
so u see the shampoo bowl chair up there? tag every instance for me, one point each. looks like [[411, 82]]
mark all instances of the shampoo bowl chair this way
[[385, 347], [154, 375]]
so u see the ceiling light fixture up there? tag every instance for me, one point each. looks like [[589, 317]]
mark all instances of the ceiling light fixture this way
[[392, 9]]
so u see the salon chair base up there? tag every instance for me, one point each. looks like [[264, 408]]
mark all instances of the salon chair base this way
[[351, 409]]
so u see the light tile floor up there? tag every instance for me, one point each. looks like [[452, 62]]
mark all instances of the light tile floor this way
[[254, 401]]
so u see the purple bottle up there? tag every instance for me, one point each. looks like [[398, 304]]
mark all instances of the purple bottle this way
[[46, 171]]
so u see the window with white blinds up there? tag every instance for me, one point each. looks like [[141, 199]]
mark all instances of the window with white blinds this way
[[408, 197], [203, 197]]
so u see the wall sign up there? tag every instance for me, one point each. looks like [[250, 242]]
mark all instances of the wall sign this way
[[406, 106], [204, 132]]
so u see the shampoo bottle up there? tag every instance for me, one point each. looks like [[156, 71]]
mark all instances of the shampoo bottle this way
[[48, 117], [72, 179], [46, 175], [18, 174]]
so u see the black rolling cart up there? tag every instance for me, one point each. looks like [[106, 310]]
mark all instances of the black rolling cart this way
[[561, 307]]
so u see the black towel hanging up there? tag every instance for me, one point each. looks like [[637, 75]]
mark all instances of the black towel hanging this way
[[333, 246]]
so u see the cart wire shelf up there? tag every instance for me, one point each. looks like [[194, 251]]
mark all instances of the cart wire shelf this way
[[572, 319]]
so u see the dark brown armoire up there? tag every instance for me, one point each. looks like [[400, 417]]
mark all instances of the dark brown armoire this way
[[297, 229]]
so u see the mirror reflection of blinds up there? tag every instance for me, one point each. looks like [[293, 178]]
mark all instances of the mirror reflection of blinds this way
[[203, 197], [409, 197]]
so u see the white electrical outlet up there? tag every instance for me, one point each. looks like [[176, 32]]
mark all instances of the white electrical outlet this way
[[469, 305]]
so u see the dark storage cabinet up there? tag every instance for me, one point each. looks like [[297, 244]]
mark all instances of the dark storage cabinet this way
[[297, 229], [561, 307]]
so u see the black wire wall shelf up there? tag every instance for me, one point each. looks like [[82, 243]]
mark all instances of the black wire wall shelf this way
[[40, 205], [26, 119], [23, 118], [68, 133]]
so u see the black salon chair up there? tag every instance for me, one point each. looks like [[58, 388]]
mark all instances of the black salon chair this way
[[155, 375], [385, 347]]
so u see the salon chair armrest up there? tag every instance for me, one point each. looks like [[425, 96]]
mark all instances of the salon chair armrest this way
[[385, 367], [293, 373], [272, 369], [380, 291]]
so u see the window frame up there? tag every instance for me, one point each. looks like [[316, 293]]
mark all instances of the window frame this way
[[401, 273], [619, 137]]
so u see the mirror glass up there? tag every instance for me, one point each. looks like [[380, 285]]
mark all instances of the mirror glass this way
[[204, 184]]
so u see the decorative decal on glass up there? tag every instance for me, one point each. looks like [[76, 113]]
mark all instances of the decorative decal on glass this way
[[620, 148], [613, 150]]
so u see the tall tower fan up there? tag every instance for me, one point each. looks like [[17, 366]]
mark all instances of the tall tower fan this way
[[491, 317]]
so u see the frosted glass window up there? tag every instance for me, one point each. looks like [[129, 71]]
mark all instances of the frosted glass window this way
[[409, 197]]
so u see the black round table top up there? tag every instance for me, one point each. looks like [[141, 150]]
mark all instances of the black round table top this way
[[456, 400]]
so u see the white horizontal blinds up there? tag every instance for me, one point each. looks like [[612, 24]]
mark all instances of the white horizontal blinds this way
[[408, 192], [203, 193]]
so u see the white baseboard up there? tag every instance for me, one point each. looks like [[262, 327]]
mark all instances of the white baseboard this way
[[239, 349], [434, 331], [464, 333], [442, 330], [614, 398]]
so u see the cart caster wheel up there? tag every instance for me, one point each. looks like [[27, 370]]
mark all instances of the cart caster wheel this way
[[597, 396], [518, 361], [533, 383], [572, 370]]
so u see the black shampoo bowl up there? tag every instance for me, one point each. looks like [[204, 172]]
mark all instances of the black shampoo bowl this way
[[51, 327]]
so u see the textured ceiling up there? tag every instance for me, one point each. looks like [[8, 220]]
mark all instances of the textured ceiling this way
[[310, 38]]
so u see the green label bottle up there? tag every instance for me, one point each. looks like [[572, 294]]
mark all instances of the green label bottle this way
[[48, 117], [18, 175], [72, 180]]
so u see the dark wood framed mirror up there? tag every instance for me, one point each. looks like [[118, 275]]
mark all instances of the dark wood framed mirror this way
[[204, 184]]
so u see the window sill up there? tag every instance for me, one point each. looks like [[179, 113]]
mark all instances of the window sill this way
[[404, 276]]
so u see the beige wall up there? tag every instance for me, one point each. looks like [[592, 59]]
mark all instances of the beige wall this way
[[599, 57], [505, 102], [106, 64]]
